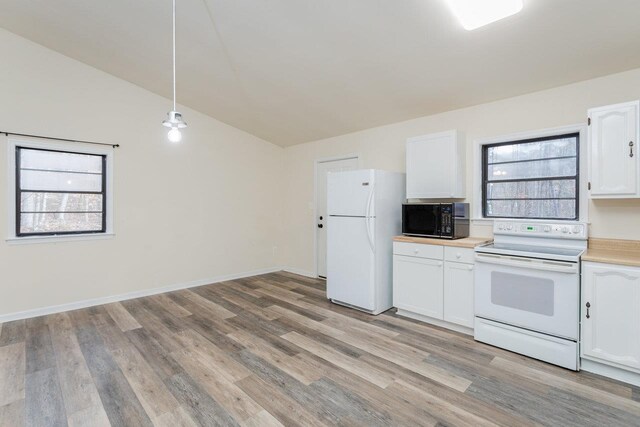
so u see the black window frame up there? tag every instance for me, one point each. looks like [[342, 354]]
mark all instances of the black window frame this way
[[19, 191], [486, 180]]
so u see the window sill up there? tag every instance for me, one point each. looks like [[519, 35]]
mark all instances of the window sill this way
[[58, 239]]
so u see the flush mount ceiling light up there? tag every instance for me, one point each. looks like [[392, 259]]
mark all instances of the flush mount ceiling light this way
[[174, 119], [477, 13]]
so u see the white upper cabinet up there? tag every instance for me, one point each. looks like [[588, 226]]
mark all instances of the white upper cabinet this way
[[436, 166], [613, 151]]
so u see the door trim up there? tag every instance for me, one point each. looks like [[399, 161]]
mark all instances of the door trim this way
[[316, 162]]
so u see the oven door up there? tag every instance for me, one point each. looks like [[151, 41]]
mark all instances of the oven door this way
[[421, 220], [535, 294]]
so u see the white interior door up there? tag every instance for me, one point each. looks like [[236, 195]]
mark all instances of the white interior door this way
[[321, 206]]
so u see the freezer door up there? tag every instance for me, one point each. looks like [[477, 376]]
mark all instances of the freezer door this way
[[351, 261], [350, 193]]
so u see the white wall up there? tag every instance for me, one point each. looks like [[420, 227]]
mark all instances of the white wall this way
[[218, 203], [207, 207], [384, 148]]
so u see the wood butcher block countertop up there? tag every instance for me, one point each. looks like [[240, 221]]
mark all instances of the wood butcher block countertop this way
[[467, 242], [610, 251]]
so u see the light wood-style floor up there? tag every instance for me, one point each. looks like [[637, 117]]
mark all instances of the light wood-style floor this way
[[271, 350]]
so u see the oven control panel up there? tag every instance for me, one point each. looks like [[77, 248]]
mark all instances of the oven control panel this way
[[569, 229]]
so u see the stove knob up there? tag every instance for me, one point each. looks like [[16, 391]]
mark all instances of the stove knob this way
[[547, 229], [576, 229], [565, 229], [510, 227]]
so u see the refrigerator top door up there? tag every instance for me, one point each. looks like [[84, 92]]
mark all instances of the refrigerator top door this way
[[351, 261], [351, 193]]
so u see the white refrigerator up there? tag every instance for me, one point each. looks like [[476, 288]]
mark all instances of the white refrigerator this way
[[364, 213]]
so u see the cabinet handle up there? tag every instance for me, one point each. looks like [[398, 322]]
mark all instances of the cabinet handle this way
[[630, 148], [588, 307]]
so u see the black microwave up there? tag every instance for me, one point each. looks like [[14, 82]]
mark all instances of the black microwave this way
[[441, 220]]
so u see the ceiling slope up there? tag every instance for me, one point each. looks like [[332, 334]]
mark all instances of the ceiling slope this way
[[292, 71]]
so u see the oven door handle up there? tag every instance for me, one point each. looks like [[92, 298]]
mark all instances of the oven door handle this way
[[531, 263]]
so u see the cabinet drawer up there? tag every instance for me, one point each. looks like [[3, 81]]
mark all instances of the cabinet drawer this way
[[418, 250], [465, 255]]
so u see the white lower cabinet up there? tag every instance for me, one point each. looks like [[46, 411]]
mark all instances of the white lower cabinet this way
[[458, 293], [417, 285], [429, 287], [610, 317]]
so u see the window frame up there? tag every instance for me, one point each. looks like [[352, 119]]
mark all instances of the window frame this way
[[13, 193], [19, 191], [476, 202], [485, 175]]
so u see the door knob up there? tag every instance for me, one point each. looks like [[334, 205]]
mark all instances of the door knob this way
[[320, 226]]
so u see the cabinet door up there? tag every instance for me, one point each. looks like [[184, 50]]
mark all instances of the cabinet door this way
[[458, 293], [418, 285], [613, 144], [433, 167], [611, 333]]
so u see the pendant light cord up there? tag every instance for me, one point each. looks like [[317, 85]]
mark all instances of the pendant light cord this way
[[174, 55]]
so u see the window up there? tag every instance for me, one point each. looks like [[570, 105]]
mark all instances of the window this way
[[534, 178], [59, 192]]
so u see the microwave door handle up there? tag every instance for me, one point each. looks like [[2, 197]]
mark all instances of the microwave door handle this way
[[554, 266]]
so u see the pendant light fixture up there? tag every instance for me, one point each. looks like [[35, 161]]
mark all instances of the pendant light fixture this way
[[174, 119]]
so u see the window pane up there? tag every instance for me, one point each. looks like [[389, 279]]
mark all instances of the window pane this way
[[56, 223], [532, 189], [533, 150], [536, 169], [562, 209], [58, 161], [59, 181], [60, 202]]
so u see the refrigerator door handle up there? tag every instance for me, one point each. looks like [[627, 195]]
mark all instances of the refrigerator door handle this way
[[369, 201], [368, 220], [368, 225]]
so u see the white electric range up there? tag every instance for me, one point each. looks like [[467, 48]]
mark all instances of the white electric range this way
[[527, 289]]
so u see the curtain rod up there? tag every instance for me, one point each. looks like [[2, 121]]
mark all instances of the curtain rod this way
[[59, 139]]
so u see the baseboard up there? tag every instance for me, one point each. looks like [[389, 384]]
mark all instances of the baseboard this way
[[610, 372], [435, 322], [129, 295], [300, 272]]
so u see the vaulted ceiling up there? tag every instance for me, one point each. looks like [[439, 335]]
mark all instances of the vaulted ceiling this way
[[292, 71]]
